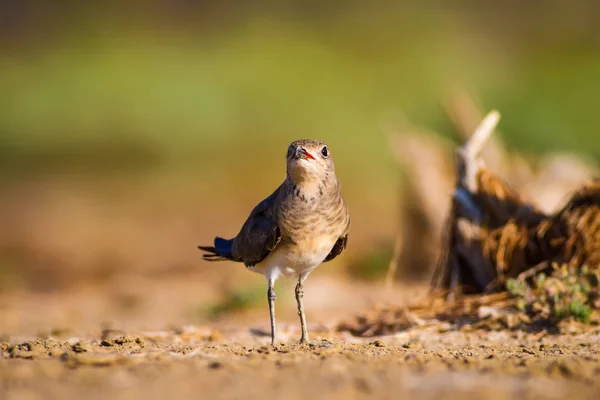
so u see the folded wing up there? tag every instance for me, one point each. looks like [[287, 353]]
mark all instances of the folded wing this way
[[260, 233]]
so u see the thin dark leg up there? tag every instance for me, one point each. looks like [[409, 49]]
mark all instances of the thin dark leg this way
[[271, 298], [299, 296]]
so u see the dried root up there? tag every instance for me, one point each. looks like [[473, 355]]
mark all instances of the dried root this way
[[493, 235], [494, 238], [388, 320]]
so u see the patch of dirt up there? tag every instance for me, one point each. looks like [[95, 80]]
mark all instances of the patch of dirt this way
[[96, 343], [427, 362]]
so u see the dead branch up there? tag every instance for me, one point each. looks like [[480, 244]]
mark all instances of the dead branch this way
[[493, 234]]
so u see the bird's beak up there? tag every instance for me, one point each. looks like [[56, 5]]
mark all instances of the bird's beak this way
[[302, 153]]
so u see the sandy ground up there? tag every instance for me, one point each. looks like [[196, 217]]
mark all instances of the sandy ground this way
[[198, 361], [60, 346]]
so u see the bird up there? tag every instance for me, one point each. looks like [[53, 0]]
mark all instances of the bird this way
[[303, 223]]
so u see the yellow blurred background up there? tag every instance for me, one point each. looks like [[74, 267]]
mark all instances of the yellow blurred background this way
[[131, 131]]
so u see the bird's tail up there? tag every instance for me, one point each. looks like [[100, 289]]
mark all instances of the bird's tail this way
[[220, 251]]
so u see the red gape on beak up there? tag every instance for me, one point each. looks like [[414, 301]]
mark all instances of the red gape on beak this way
[[302, 153]]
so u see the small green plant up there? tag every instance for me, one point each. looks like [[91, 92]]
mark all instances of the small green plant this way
[[373, 265], [565, 293], [237, 300], [517, 287], [579, 311]]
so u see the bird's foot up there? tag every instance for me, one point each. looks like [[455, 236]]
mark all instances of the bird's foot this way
[[304, 341]]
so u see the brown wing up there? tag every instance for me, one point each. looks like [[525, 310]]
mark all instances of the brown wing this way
[[260, 233], [337, 249], [340, 244]]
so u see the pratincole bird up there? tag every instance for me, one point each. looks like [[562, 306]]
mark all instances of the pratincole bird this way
[[302, 224]]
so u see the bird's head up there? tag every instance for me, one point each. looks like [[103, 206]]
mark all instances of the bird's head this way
[[309, 161]]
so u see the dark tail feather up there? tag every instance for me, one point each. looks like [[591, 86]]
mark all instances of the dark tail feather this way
[[220, 251]]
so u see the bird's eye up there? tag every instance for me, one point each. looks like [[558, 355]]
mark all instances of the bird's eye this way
[[325, 152]]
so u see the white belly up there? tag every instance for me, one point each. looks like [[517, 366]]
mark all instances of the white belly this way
[[297, 260]]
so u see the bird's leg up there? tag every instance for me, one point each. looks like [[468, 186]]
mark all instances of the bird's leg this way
[[271, 298], [299, 295]]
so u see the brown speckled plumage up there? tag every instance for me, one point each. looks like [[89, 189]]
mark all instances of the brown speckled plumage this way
[[303, 223]]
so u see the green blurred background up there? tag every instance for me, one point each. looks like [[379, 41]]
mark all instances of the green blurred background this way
[[132, 130]]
